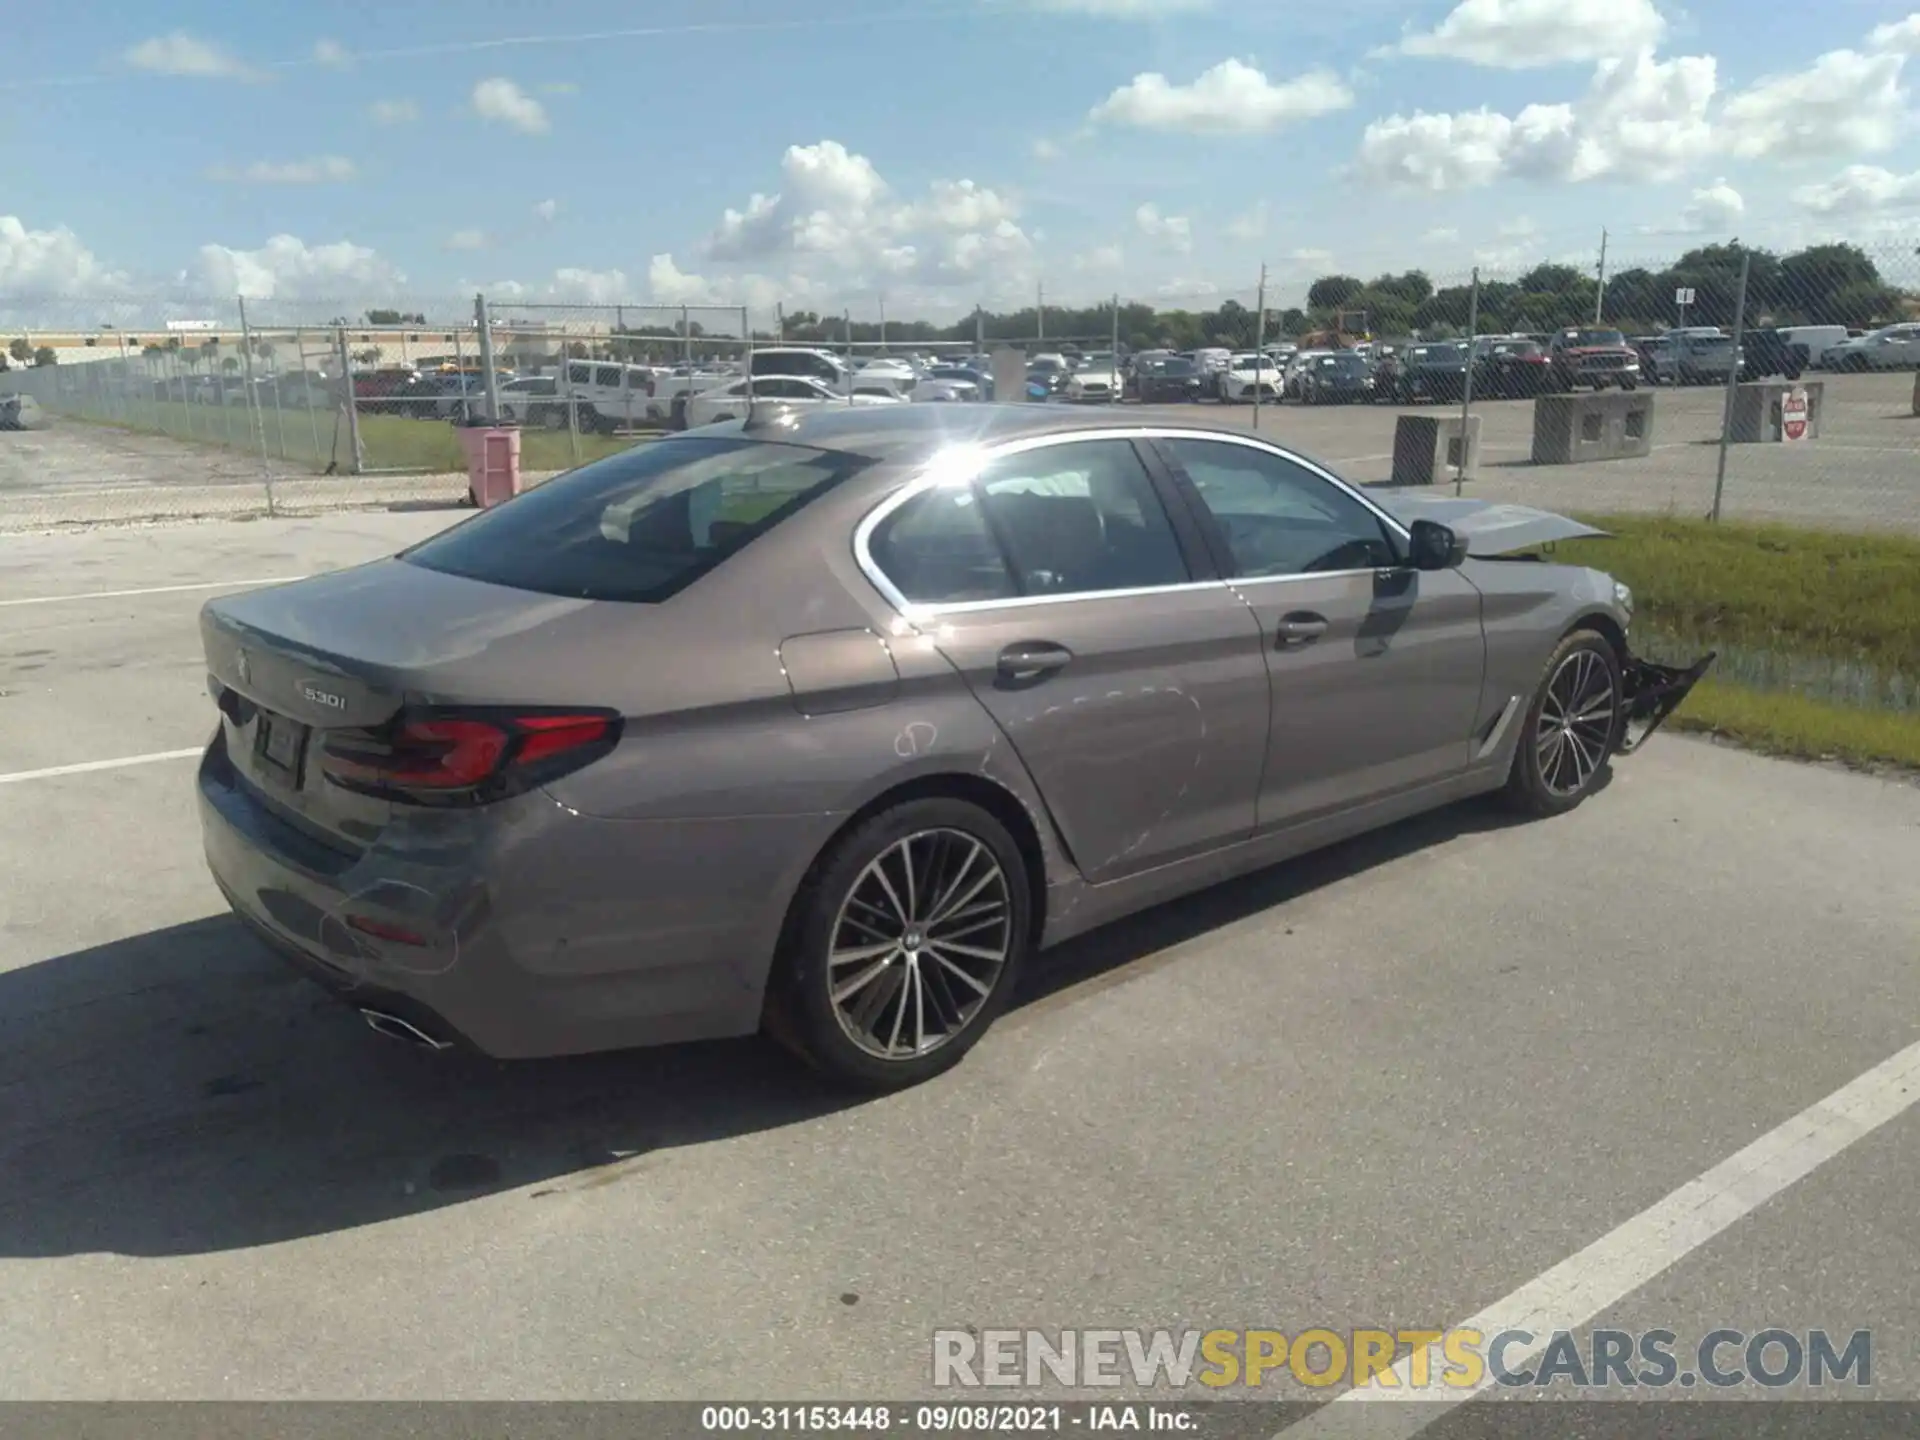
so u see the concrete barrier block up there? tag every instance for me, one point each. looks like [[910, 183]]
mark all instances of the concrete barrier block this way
[[1427, 449]]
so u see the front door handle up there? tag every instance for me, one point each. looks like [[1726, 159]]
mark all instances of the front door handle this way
[[1028, 658], [1301, 627]]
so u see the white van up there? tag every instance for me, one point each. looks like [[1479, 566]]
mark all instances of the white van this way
[[1817, 338]]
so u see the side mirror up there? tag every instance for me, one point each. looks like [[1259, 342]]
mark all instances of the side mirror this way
[[1435, 546]]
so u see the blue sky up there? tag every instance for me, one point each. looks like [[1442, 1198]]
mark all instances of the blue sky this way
[[925, 156]]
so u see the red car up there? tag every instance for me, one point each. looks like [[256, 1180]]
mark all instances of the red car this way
[[1600, 358]]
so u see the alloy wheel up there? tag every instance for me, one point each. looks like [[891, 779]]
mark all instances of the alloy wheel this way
[[1575, 729], [919, 944]]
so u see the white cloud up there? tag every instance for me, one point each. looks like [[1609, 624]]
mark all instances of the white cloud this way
[[1124, 9], [1641, 119], [546, 210], [1845, 103], [51, 263], [1100, 258], [1250, 226], [1045, 149], [321, 170], [1442, 234], [183, 54], [668, 284], [1714, 207], [1173, 232], [467, 240], [1900, 36], [287, 268], [1187, 292], [501, 100], [1233, 98], [393, 112], [332, 54], [1858, 190], [1523, 34], [834, 214]]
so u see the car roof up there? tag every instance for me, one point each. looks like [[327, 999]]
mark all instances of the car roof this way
[[911, 434]]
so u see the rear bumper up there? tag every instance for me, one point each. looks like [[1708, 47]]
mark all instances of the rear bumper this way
[[1651, 693], [533, 944]]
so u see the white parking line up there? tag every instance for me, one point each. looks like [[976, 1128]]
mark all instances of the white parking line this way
[[86, 765], [154, 590], [1618, 1263]]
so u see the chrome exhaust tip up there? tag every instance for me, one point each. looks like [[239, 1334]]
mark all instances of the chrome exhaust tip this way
[[394, 1028]]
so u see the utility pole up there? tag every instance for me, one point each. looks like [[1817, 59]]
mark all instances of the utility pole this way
[[1600, 294], [1260, 345], [1040, 311], [883, 324], [1113, 396]]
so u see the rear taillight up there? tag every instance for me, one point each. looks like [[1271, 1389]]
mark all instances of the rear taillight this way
[[467, 757]]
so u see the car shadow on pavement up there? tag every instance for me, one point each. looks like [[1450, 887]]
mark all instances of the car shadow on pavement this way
[[184, 1092]]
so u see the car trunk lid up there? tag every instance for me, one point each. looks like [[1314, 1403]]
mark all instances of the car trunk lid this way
[[335, 658]]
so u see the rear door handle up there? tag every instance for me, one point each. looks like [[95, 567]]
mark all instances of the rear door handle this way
[[1033, 657], [1301, 627]]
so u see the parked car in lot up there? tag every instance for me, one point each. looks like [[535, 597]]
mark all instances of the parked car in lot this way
[[1433, 372], [1891, 347], [1047, 380], [1658, 362], [1341, 378], [1513, 370], [980, 380], [1814, 340], [1248, 374], [1768, 352], [533, 400], [1593, 357], [807, 361], [620, 762], [1166, 379], [786, 392], [1705, 359], [1095, 379], [1296, 368]]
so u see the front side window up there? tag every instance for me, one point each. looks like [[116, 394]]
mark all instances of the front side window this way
[[641, 525], [1277, 516]]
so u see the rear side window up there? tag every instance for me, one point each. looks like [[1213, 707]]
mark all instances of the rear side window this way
[[639, 526]]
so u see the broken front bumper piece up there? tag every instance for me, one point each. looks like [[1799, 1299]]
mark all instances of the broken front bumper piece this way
[[1651, 693]]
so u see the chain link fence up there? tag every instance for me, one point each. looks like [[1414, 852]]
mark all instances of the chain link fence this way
[[1738, 382]]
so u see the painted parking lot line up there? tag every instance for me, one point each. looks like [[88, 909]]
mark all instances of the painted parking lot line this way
[[153, 590], [1621, 1261], [87, 766]]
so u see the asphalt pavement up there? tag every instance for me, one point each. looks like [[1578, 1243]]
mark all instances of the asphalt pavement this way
[[1390, 1085]]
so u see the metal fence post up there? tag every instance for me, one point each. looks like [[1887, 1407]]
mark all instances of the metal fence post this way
[[1259, 346], [1466, 390], [347, 401], [253, 402], [1733, 383], [1113, 340], [489, 374]]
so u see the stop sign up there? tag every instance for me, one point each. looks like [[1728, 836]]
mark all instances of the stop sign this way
[[1793, 415]]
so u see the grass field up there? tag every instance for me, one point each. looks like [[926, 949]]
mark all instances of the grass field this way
[[1818, 632], [313, 439]]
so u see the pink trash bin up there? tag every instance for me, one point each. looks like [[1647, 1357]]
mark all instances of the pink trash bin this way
[[493, 463]]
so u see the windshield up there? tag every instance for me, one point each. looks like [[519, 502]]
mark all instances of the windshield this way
[[639, 526], [1438, 354], [1595, 337]]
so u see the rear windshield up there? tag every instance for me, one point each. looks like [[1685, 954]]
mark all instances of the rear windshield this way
[[639, 526]]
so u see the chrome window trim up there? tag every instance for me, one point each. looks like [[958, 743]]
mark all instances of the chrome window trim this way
[[919, 484]]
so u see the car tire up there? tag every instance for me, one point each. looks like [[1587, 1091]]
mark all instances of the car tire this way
[[1557, 764], [842, 903]]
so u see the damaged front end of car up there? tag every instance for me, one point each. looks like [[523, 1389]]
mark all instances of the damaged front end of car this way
[[1650, 693]]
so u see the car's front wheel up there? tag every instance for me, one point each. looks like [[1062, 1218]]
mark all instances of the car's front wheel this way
[[1572, 728], [904, 945]]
